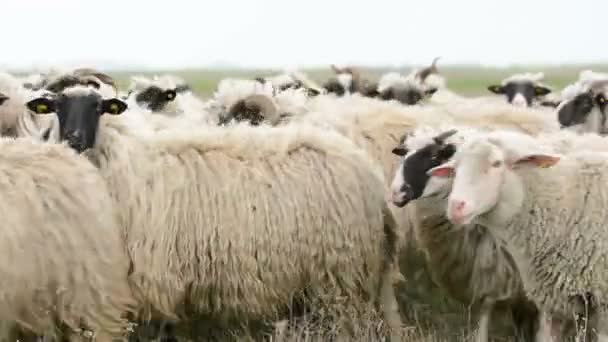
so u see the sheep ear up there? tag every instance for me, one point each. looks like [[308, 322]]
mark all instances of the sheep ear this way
[[399, 151], [537, 160], [430, 92], [496, 89], [444, 170], [541, 91], [41, 105], [553, 104], [113, 106]]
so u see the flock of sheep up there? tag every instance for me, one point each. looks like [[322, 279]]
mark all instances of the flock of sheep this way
[[154, 205]]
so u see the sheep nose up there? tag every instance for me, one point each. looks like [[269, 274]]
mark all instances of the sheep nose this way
[[457, 210]]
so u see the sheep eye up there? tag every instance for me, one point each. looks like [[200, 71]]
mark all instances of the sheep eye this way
[[497, 163]]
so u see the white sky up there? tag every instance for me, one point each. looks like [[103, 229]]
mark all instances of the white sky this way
[[286, 33]]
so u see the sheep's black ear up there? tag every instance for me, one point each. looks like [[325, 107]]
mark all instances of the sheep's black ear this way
[[497, 89], [3, 98], [41, 105], [430, 92], [541, 91], [113, 106], [399, 151], [170, 95], [553, 104]]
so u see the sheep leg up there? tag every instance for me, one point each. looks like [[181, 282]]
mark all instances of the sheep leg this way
[[484, 320], [544, 332], [387, 299], [526, 317]]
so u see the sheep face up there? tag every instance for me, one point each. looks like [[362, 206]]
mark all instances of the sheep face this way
[[155, 98], [483, 177], [244, 112], [411, 180], [335, 87], [577, 110], [406, 95], [520, 93], [78, 111]]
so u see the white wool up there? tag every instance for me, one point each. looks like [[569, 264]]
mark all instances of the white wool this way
[[281, 80], [292, 101], [524, 77], [590, 76], [435, 81], [230, 91], [394, 79], [345, 80]]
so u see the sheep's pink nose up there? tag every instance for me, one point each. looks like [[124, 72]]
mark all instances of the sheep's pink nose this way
[[457, 210]]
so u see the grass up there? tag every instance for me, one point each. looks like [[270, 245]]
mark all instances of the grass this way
[[467, 80]]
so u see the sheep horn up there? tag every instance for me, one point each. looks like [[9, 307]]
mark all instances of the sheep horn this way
[[440, 139], [268, 108], [432, 69]]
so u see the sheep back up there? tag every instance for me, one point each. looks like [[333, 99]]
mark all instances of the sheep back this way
[[238, 221]]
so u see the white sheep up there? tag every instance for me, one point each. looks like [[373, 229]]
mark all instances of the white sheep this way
[[64, 261], [547, 215], [190, 241], [522, 89]]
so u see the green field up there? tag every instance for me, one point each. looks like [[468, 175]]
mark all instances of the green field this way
[[467, 80]]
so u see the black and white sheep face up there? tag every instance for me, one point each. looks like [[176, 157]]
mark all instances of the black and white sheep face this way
[[411, 179], [407, 95], [575, 111], [78, 114], [520, 93], [155, 98]]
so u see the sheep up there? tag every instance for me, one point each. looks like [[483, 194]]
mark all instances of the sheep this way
[[15, 120], [246, 100], [195, 249], [418, 85], [63, 259], [473, 265], [511, 198], [348, 81], [583, 108], [522, 89]]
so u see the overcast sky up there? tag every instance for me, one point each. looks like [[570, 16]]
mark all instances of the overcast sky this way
[[285, 33]]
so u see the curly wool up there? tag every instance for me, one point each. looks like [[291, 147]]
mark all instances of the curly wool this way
[[55, 267], [235, 222]]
